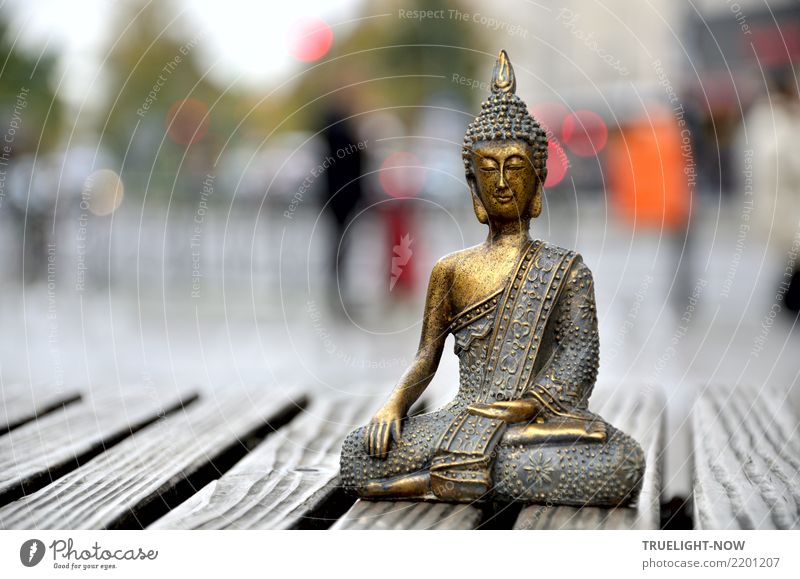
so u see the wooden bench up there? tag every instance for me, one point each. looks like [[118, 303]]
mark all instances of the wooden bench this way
[[746, 460], [290, 481], [245, 459], [23, 404], [140, 472], [43, 446]]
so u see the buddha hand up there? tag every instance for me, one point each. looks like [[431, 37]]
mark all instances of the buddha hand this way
[[383, 427], [521, 410]]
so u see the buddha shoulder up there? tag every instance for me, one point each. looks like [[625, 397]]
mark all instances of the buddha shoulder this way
[[472, 274], [452, 262], [464, 262], [447, 267]]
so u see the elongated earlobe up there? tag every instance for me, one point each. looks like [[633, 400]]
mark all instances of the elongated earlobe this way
[[477, 205], [536, 202], [480, 212]]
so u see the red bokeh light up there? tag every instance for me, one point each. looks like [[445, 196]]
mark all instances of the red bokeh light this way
[[402, 175], [557, 163], [187, 121], [310, 39], [585, 133], [551, 115]]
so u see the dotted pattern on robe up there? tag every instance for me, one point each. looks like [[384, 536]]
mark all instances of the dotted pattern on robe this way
[[608, 473], [569, 378], [584, 473]]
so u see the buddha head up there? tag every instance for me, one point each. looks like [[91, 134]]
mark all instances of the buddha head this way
[[505, 154]]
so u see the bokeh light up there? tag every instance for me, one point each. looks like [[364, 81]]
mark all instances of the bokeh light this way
[[310, 39], [584, 132], [402, 175], [187, 121], [551, 115], [104, 190], [557, 163]]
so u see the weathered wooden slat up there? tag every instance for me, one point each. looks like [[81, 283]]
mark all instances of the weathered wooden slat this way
[[133, 483], [37, 453], [22, 403], [641, 415], [399, 515], [284, 479], [746, 459]]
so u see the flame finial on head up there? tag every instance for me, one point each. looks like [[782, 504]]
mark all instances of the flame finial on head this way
[[504, 116], [503, 78]]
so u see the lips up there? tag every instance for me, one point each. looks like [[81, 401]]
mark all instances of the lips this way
[[503, 198]]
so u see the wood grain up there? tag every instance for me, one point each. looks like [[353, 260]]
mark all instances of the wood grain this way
[[402, 515], [284, 480], [20, 404], [154, 467], [747, 460], [38, 452], [640, 414]]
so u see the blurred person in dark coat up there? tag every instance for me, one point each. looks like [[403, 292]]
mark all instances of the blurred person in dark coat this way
[[344, 191]]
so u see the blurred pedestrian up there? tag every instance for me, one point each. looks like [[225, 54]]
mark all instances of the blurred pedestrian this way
[[344, 191], [772, 126]]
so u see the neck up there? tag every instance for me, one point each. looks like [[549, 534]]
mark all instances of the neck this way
[[509, 233]]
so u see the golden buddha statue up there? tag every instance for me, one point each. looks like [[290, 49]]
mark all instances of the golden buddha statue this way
[[524, 319]]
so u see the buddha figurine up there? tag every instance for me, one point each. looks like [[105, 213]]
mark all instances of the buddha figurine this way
[[523, 315]]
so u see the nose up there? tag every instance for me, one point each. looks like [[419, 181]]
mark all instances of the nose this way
[[502, 183]]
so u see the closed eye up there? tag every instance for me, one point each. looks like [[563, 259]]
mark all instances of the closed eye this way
[[515, 162]]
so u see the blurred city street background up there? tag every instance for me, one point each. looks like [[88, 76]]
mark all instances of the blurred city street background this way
[[238, 193]]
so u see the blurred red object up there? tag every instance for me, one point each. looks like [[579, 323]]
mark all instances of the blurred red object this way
[[187, 121], [557, 163]]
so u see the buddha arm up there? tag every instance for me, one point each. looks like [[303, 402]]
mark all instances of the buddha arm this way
[[434, 331], [568, 374], [385, 426], [521, 410]]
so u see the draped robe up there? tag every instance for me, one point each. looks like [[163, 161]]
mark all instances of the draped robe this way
[[535, 338]]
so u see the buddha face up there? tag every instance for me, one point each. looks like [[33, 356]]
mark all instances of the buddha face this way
[[505, 181]]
